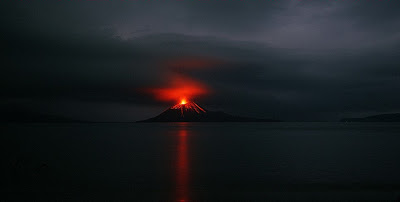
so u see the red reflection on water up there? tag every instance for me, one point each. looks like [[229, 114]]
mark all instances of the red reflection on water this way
[[182, 167]]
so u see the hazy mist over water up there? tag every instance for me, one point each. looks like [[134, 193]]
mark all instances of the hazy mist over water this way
[[196, 161]]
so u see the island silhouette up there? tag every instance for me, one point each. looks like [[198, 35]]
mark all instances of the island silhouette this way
[[192, 112], [394, 117], [16, 114]]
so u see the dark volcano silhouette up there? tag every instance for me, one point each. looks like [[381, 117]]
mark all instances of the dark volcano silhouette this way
[[191, 112], [15, 114], [376, 118]]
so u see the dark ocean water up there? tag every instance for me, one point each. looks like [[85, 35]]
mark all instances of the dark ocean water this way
[[201, 161]]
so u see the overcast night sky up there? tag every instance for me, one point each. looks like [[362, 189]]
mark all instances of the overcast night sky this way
[[296, 60]]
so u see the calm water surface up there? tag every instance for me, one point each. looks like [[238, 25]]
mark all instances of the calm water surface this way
[[201, 161]]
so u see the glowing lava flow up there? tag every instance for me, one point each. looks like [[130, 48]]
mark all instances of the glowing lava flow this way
[[185, 106]]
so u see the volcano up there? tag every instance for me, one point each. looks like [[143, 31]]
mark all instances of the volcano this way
[[192, 112]]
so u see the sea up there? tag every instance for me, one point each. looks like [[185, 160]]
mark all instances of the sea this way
[[285, 161]]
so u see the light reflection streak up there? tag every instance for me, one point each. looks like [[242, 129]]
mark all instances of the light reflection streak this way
[[182, 165]]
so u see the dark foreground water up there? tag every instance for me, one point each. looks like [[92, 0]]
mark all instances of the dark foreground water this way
[[201, 161]]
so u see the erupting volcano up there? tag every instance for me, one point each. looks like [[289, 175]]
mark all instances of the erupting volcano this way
[[181, 87], [186, 107], [188, 111]]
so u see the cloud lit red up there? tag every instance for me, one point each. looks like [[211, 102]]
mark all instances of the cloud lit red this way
[[179, 88], [178, 85]]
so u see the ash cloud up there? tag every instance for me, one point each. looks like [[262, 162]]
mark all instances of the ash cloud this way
[[306, 60]]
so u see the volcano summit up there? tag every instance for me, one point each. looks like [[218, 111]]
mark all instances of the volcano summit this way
[[191, 112]]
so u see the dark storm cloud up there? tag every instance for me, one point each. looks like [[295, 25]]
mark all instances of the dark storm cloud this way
[[294, 60]]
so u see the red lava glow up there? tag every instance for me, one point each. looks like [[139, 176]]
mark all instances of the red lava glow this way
[[179, 89], [178, 85], [183, 101]]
